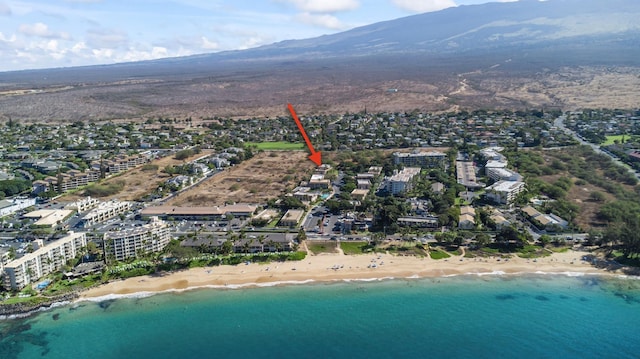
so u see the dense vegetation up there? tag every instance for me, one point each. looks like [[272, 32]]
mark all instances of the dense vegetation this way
[[104, 189], [10, 188], [621, 217]]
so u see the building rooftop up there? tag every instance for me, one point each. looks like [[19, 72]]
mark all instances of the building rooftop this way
[[496, 164], [202, 211], [505, 186], [405, 175]]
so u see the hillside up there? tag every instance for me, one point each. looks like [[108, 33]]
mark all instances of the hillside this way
[[557, 53]]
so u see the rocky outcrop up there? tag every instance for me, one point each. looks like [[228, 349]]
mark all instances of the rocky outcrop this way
[[25, 308]]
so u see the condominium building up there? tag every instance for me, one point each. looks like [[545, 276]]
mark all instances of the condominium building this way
[[104, 211], [47, 259], [466, 174], [131, 243], [66, 181], [431, 159], [502, 174], [402, 181], [504, 192], [123, 163], [85, 204]]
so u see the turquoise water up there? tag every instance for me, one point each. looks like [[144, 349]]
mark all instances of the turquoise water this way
[[460, 317]]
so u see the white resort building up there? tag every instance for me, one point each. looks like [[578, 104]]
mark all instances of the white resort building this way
[[504, 192], [104, 211], [130, 243], [402, 181], [44, 260]]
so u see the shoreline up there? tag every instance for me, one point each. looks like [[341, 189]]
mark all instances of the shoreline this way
[[333, 268]]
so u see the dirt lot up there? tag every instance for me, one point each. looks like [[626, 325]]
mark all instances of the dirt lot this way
[[139, 182], [267, 175]]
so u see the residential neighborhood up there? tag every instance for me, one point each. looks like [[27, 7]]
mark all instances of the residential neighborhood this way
[[409, 176]]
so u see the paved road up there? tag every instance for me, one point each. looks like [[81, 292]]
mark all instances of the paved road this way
[[559, 122]]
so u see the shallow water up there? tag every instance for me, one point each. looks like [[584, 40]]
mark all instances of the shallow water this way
[[457, 317]]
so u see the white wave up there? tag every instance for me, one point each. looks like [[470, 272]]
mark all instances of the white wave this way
[[135, 295]]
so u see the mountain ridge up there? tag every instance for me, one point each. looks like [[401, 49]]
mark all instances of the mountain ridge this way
[[500, 52]]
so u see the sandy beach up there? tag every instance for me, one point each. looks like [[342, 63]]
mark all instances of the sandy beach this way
[[338, 267]]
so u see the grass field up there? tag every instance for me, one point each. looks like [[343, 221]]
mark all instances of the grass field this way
[[277, 146], [611, 139], [350, 248], [318, 247]]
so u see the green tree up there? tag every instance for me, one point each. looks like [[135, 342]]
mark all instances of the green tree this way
[[545, 239], [482, 240]]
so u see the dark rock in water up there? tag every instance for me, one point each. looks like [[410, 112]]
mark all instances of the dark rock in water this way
[[627, 298], [106, 303], [505, 296], [583, 299], [56, 316], [22, 308], [542, 298]]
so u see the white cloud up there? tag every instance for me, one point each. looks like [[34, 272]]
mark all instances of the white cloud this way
[[79, 47], [254, 41], [325, 6], [5, 10], [103, 38], [208, 44], [102, 54], [3, 38], [42, 30], [322, 20], [424, 5]]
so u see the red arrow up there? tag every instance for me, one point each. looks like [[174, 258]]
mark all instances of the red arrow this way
[[315, 157]]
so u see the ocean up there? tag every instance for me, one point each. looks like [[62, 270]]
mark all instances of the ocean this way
[[535, 316]]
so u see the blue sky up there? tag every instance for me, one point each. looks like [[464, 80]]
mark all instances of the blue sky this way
[[61, 33]]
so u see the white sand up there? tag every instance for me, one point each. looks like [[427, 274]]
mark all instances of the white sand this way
[[336, 267]]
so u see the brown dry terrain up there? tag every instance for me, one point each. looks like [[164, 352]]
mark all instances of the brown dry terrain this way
[[267, 175], [334, 88], [139, 182], [579, 194]]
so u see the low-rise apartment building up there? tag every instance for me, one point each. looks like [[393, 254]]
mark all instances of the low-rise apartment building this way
[[431, 159], [467, 218], [199, 213], [105, 211], [47, 259], [427, 221]]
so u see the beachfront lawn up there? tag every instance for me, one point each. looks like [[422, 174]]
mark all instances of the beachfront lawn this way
[[438, 254], [560, 249], [278, 146], [352, 247], [318, 247], [406, 248], [532, 251]]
